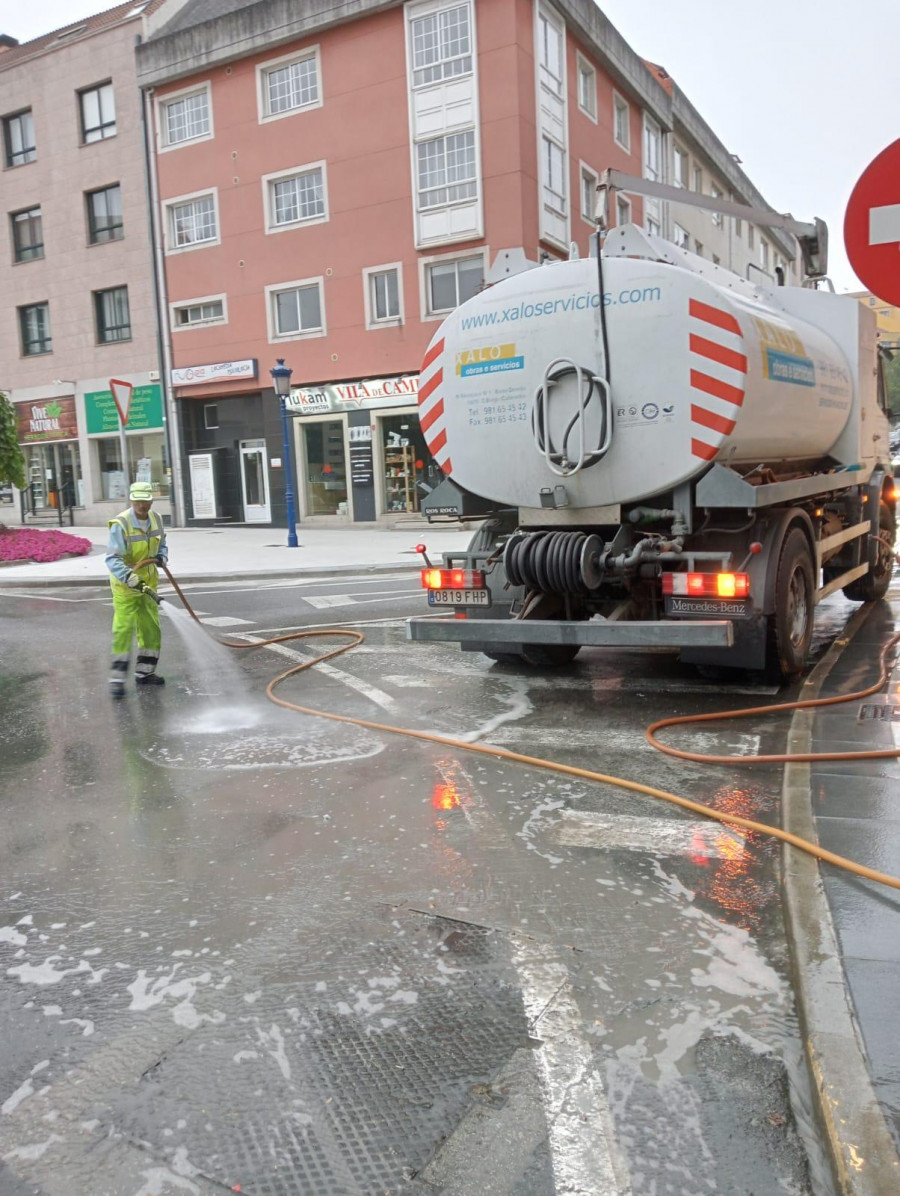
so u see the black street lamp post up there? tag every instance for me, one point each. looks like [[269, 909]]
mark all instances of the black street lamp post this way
[[281, 380]]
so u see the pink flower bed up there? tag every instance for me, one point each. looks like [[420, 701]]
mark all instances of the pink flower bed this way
[[29, 544]]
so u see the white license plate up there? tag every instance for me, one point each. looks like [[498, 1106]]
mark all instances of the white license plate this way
[[459, 598]]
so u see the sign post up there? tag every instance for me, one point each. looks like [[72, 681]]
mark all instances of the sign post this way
[[121, 393], [872, 226]]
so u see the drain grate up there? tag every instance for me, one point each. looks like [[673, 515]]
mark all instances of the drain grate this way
[[878, 713]]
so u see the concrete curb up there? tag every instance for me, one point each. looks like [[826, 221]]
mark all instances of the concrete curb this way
[[307, 573], [861, 1148]]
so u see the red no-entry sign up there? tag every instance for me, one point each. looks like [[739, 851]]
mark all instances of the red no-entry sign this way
[[872, 226]]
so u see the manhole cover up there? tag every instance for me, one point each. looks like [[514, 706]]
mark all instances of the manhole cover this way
[[878, 713]]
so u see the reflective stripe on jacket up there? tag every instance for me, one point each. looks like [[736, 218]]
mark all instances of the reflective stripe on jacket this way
[[139, 544]]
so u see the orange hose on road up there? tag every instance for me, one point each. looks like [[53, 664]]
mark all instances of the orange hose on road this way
[[795, 757], [586, 774]]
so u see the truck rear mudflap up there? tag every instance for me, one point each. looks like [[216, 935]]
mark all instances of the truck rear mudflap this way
[[597, 632]]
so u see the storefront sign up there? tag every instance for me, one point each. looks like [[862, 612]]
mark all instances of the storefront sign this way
[[54, 419], [220, 371], [146, 411], [351, 396]]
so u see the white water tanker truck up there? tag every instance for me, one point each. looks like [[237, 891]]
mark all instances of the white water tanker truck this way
[[666, 455]]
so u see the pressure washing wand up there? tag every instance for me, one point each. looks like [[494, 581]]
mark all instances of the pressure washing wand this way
[[145, 589]]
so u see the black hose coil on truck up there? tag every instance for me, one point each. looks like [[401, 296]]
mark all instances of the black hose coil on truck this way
[[560, 562]]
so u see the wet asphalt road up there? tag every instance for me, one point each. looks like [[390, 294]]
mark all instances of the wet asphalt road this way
[[245, 947]]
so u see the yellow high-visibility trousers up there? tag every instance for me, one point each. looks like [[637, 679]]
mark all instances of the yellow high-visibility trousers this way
[[134, 613]]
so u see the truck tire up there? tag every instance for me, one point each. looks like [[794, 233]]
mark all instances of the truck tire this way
[[550, 656], [510, 658], [873, 585], [791, 625]]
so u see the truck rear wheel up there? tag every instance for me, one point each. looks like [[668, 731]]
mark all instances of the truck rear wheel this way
[[874, 584], [791, 625], [550, 656]]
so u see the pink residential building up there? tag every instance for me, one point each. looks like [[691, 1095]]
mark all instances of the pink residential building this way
[[330, 182]]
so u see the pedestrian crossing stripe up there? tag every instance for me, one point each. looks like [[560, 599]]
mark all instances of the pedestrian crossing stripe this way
[[225, 621]]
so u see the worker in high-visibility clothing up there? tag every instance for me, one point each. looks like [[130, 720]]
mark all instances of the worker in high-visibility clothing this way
[[135, 535]]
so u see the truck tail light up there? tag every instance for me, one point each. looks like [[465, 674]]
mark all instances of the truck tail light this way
[[452, 579], [707, 585]]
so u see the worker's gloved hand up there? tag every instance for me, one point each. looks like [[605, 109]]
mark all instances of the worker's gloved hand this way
[[134, 582], [160, 559]]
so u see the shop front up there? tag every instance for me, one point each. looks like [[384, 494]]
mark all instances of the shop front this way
[[145, 441], [361, 455], [48, 436]]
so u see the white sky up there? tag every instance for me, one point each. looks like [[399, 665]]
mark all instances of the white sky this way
[[805, 92]]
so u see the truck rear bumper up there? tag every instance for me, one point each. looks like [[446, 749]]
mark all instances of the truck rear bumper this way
[[494, 633]]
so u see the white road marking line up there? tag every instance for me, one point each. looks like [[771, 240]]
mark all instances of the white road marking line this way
[[222, 620], [396, 619], [48, 597], [654, 836], [378, 696], [323, 601], [217, 587], [579, 1124]]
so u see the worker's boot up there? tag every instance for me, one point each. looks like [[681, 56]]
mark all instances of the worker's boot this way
[[149, 679], [117, 673]]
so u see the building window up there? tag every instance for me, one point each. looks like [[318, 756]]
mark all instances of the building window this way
[[186, 118], [680, 167], [717, 218], [680, 237], [715, 258], [446, 169], [18, 136], [198, 312], [28, 234], [384, 301], [653, 227], [652, 138], [98, 113], [623, 210], [295, 198], [622, 122], [210, 415], [763, 254], [588, 194], [449, 283], [289, 86], [441, 46], [738, 227], [698, 180], [113, 319], [554, 176], [698, 248], [550, 54], [296, 309], [193, 222], [34, 324], [750, 236], [147, 460], [587, 88], [104, 214]]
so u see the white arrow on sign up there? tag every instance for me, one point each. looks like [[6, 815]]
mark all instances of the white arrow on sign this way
[[884, 224]]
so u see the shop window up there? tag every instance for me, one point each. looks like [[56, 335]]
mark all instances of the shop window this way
[[146, 463], [112, 315], [192, 222], [410, 472], [441, 46], [326, 468], [291, 85], [210, 416], [186, 117], [18, 138], [384, 300], [98, 112], [53, 476], [104, 214], [296, 197], [450, 283], [296, 310], [28, 235], [34, 326]]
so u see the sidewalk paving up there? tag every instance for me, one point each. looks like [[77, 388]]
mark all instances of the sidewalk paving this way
[[198, 554], [844, 932]]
